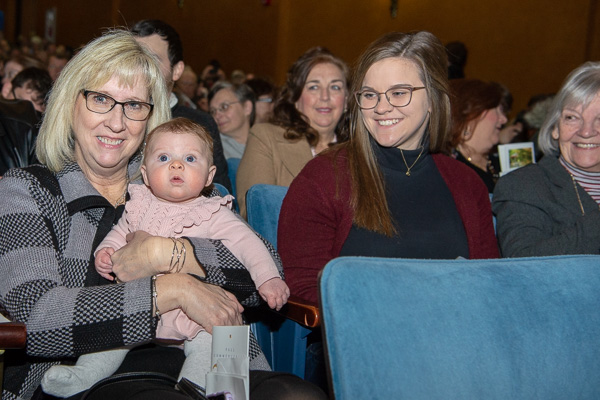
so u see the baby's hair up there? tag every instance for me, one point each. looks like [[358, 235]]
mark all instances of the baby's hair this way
[[182, 125]]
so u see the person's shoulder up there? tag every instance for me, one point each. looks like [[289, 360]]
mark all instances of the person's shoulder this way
[[20, 111], [447, 161], [24, 174], [34, 181], [449, 166], [525, 182], [327, 164], [531, 173], [267, 130]]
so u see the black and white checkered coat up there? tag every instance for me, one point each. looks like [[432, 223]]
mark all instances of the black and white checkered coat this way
[[48, 279]]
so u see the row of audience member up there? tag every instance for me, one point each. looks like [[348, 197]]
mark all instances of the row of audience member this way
[[26, 82], [368, 168]]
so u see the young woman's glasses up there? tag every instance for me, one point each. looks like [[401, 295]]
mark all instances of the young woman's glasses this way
[[102, 103], [397, 96]]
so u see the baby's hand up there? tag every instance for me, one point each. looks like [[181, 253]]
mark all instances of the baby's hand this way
[[275, 292], [103, 262]]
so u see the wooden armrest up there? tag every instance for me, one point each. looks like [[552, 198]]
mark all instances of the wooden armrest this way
[[302, 312], [12, 335]]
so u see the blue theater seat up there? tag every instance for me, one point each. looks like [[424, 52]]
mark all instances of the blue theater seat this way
[[522, 328]]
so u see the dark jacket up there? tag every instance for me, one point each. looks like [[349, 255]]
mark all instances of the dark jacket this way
[[538, 213], [18, 131], [204, 119]]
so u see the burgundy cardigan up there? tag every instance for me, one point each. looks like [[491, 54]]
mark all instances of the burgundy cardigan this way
[[314, 221]]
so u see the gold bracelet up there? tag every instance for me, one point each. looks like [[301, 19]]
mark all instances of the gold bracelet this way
[[155, 297]]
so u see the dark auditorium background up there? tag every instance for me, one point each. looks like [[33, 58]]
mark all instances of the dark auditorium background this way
[[529, 45]]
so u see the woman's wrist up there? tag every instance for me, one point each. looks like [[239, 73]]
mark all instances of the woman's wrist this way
[[162, 248], [166, 292], [174, 255]]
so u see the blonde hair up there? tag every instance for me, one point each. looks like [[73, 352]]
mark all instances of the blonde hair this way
[[114, 54]]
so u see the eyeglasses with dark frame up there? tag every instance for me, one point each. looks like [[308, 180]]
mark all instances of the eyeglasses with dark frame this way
[[397, 96], [222, 108], [101, 103]]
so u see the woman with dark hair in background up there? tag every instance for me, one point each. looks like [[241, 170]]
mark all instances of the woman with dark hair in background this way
[[478, 114], [307, 118]]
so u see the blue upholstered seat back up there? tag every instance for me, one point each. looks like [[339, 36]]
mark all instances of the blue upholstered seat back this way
[[523, 328], [263, 204], [232, 167], [283, 342]]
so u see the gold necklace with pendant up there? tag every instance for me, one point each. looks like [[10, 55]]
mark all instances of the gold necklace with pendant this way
[[405, 163]]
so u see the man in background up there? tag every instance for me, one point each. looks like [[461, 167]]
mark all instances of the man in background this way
[[163, 40]]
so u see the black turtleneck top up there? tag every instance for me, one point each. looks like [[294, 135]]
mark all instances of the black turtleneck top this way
[[423, 210]]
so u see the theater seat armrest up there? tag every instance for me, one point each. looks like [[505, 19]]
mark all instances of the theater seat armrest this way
[[13, 335], [302, 312]]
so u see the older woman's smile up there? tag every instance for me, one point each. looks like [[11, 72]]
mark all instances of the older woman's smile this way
[[109, 141]]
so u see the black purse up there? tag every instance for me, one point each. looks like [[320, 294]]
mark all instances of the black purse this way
[[143, 385]]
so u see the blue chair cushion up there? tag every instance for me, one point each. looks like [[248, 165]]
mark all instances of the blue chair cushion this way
[[523, 328], [232, 167], [263, 204]]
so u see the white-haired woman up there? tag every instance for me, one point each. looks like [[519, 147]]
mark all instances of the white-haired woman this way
[[552, 207]]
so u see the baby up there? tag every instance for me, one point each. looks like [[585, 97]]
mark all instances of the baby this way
[[176, 168]]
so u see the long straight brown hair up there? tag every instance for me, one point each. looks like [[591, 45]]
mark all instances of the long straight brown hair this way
[[368, 199]]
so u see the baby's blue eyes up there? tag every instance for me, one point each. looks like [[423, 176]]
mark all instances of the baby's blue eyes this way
[[165, 158]]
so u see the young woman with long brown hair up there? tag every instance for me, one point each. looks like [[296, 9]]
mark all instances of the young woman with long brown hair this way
[[391, 190]]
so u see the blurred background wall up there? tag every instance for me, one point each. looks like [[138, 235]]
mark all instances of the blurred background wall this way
[[530, 46]]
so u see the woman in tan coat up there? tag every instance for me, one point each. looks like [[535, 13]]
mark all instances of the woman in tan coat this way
[[308, 117]]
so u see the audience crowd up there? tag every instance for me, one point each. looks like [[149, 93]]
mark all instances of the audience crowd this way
[[403, 157]]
